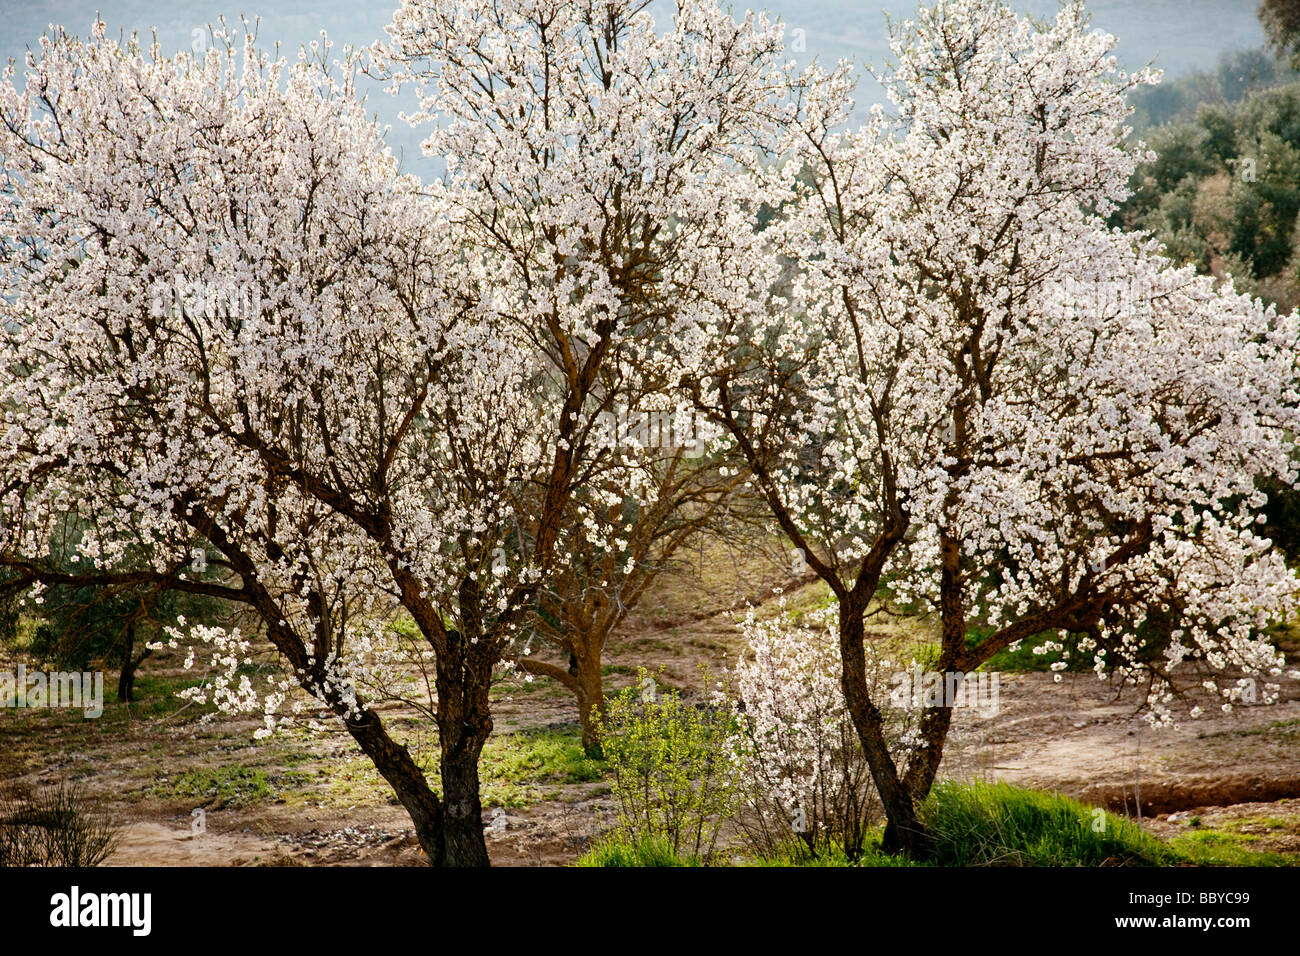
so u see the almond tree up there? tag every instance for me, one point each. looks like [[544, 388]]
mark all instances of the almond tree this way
[[672, 496], [218, 337], [596, 169], [979, 395], [230, 324]]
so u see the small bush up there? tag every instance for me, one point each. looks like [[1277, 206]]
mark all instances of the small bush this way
[[648, 851], [996, 824], [57, 827], [674, 775]]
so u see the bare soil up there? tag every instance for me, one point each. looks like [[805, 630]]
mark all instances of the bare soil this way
[[318, 803]]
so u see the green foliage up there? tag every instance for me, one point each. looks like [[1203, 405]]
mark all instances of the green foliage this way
[[77, 626], [674, 775], [88, 624], [1235, 76], [55, 826], [997, 824], [619, 850], [1281, 21], [1223, 192]]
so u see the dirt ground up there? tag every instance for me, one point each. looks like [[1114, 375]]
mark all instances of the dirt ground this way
[[312, 800]]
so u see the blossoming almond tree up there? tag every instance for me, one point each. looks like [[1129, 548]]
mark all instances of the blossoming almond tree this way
[[665, 498], [230, 324], [596, 169], [220, 336], [983, 397]]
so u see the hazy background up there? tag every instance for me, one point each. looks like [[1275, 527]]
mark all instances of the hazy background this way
[[1181, 36]]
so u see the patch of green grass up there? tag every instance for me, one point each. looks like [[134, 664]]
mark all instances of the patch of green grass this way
[[1219, 848], [997, 824], [1284, 728], [232, 785], [155, 696], [989, 824], [797, 855], [514, 769], [513, 765], [650, 851]]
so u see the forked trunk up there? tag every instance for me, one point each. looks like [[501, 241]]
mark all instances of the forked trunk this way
[[903, 831]]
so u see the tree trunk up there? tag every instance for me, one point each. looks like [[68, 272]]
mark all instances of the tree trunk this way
[[395, 764], [584, 679], [903, 831], [129, 664], [462, 829], [464, 677], [591, 700], [923, 766]]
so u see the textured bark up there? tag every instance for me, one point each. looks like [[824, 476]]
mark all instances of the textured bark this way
[[923, 766], [464, 678]]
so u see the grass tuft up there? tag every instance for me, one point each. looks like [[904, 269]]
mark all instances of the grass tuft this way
[[997, 824], [619, 851]]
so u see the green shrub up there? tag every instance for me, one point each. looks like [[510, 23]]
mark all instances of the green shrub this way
[[618, 850], [674, 775], [997, 824]]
